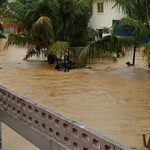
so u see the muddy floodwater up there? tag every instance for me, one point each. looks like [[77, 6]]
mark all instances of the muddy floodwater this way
[[112, 98]]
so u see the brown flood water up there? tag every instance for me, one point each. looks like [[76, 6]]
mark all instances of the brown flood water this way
[[112, 99]]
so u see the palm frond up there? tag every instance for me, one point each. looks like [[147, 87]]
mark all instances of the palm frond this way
[[15, 6], [101, 48], [35, 52], [19, 40], [146, 52], [14, 9], [84, 55], [126, 41], [7, 20], [2, 36], [137, 9], [59, 49], [139, 29], [75, 52], [43, 30]]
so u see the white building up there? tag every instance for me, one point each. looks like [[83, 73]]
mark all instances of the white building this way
[[104, 13]]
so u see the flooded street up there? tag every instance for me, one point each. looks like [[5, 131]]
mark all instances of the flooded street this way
[[112, 98]]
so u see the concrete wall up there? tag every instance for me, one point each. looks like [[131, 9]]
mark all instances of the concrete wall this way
[[101, 20], [49, 130], [36, 137]]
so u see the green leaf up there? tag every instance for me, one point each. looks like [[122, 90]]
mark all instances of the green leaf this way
[[59, 49], [146, 52], [43, 30], [2, 36]]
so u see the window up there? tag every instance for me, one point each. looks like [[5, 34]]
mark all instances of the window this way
[[100, 7]]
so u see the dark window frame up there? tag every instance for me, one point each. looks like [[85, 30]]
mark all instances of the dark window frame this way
[[100, 7]]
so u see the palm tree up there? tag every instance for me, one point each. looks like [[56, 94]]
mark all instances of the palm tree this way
[[36, 35], [2, 5], [47, 22], [2, 2], [136, 9], [115, 45], [137, 33], [51, 25], [69, 17], [31, 40]]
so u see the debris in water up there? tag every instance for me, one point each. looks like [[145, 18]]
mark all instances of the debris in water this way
[[88, 67], [146, 142], [129, 64]]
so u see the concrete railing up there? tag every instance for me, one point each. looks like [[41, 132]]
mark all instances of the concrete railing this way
[[70, 134]]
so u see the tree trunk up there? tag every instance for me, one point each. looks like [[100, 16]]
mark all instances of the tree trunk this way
[[51, 59], [134, 52]]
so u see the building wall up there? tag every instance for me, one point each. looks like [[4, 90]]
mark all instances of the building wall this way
[[105, 19], [10, 29]]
